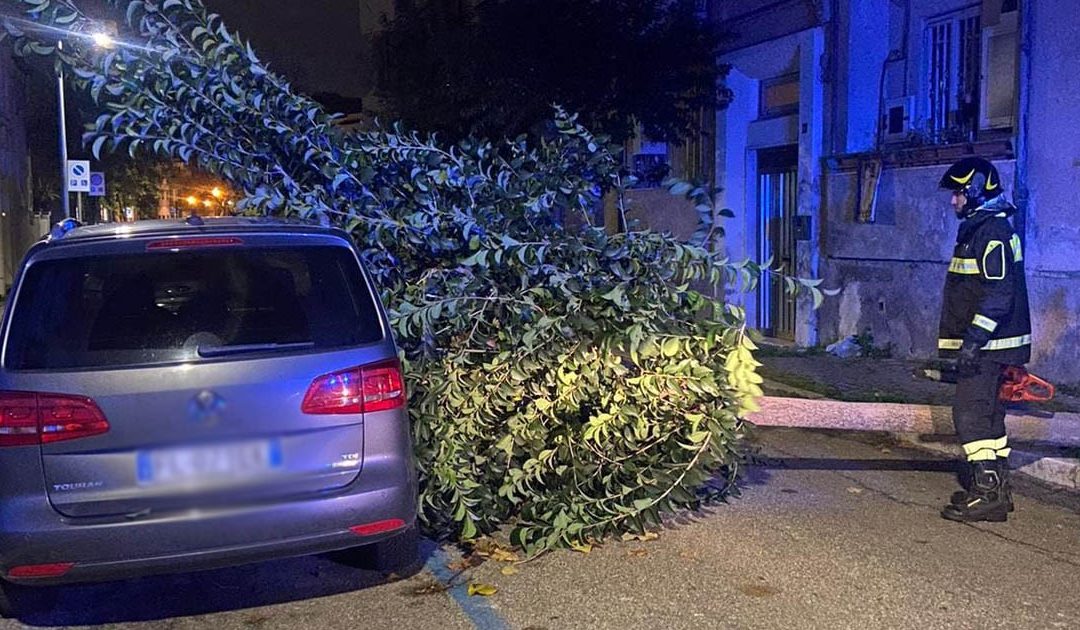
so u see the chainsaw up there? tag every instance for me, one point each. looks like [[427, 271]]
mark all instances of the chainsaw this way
[[1023, 386], [1018, 385]]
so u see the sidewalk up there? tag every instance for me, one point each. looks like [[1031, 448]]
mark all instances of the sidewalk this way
[[882, 394]]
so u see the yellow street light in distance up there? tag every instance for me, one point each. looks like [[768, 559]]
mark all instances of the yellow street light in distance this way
[[207, 202], [191, 200], [216, 192]]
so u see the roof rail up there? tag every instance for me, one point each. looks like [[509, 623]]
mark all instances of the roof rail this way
[[62, 228]]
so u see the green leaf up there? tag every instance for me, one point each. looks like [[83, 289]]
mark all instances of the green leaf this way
[[680, 188], [479, 259], [617, 294], [99, 142]]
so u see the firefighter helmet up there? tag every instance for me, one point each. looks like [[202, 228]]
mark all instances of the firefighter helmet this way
[[976, 178]]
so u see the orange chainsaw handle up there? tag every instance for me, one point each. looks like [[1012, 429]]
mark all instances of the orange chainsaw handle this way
[[1021, 386]]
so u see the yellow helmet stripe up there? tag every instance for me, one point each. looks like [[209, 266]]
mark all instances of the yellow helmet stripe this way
[[963, 180], [990, 184]]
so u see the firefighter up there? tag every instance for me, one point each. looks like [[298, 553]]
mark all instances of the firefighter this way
[[985, 327]]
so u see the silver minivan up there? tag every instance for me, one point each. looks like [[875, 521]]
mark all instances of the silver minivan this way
[[187, 394]]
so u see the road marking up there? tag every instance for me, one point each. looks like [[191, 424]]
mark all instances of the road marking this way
[[477, 609]]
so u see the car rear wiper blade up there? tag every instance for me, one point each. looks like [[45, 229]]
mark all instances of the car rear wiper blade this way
[[220, 351]]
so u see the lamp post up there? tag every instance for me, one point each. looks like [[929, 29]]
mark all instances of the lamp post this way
[[65, 201], [101, 39]]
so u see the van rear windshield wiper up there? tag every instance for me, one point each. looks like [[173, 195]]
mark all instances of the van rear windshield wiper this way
[[221, 351]]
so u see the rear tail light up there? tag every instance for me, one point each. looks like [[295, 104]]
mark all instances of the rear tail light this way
[[28, 418], [374, 387], [55, 569]]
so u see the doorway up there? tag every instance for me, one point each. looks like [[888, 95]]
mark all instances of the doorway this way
[[777, 206]]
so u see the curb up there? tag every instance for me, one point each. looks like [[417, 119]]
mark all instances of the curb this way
[[916, 425]]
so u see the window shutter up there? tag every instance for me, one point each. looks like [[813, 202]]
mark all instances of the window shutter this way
[[999, 74]]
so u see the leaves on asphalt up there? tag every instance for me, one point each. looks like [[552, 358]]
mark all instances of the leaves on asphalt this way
[[491, 549], [854, 490], [640, 537], [484, 590], [466, 562], [582, 548], [509, 570]]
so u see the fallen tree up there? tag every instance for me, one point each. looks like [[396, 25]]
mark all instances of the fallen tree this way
[[565, 381]]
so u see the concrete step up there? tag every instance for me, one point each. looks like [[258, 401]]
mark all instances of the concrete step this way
[[1044, 447]]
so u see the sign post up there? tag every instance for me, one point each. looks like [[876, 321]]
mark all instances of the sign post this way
[[78, 181], [78, 175]]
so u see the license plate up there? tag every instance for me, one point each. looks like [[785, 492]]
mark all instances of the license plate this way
[[208, 464]]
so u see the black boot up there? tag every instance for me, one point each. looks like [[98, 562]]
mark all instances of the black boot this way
[[986, 501], [961, 497]]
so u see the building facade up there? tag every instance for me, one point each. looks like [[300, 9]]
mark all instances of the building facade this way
[[19, 226], [845, 114]]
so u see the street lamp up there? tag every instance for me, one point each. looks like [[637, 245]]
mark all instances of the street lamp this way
[[103, 40]]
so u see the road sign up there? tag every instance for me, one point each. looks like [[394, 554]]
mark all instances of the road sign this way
[[97, 184], [78, 174]]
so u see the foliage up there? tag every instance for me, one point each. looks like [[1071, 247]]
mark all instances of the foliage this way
[[133, 183], [493, 69], [561, 379]]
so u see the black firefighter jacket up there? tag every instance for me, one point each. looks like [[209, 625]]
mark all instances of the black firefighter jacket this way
[[986, 297]]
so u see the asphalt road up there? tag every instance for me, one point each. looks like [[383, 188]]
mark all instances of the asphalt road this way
[[831, 532]]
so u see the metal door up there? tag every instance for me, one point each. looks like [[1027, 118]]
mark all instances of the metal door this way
[[777, 196]]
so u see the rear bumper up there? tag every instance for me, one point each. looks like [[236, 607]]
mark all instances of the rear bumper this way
[[206, 540], [33, 533]]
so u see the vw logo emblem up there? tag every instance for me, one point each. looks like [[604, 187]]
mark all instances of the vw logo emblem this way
[[206, 407]]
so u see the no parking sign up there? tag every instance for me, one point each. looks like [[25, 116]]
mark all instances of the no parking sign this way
[[97, 184]]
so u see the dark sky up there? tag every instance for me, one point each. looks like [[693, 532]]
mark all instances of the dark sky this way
[[315, 44]]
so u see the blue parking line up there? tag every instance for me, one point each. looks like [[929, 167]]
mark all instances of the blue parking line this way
[[477, 609]]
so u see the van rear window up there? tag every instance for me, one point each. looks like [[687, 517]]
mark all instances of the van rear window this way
[[140, 309]]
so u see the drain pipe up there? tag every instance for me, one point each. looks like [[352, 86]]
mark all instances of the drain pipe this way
[[1021, 194]]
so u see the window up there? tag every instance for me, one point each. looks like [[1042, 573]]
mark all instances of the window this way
[[954, 44], [651, 165], [971, 73], [999, 68], [779, 96], [141, 309]]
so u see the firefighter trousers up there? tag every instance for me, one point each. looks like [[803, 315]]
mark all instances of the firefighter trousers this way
[[979, 413]]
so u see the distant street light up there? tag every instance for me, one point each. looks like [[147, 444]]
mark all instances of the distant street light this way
[[191, 200], [216, 192]]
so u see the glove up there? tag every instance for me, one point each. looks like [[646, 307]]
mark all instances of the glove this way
[[967, 361]]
